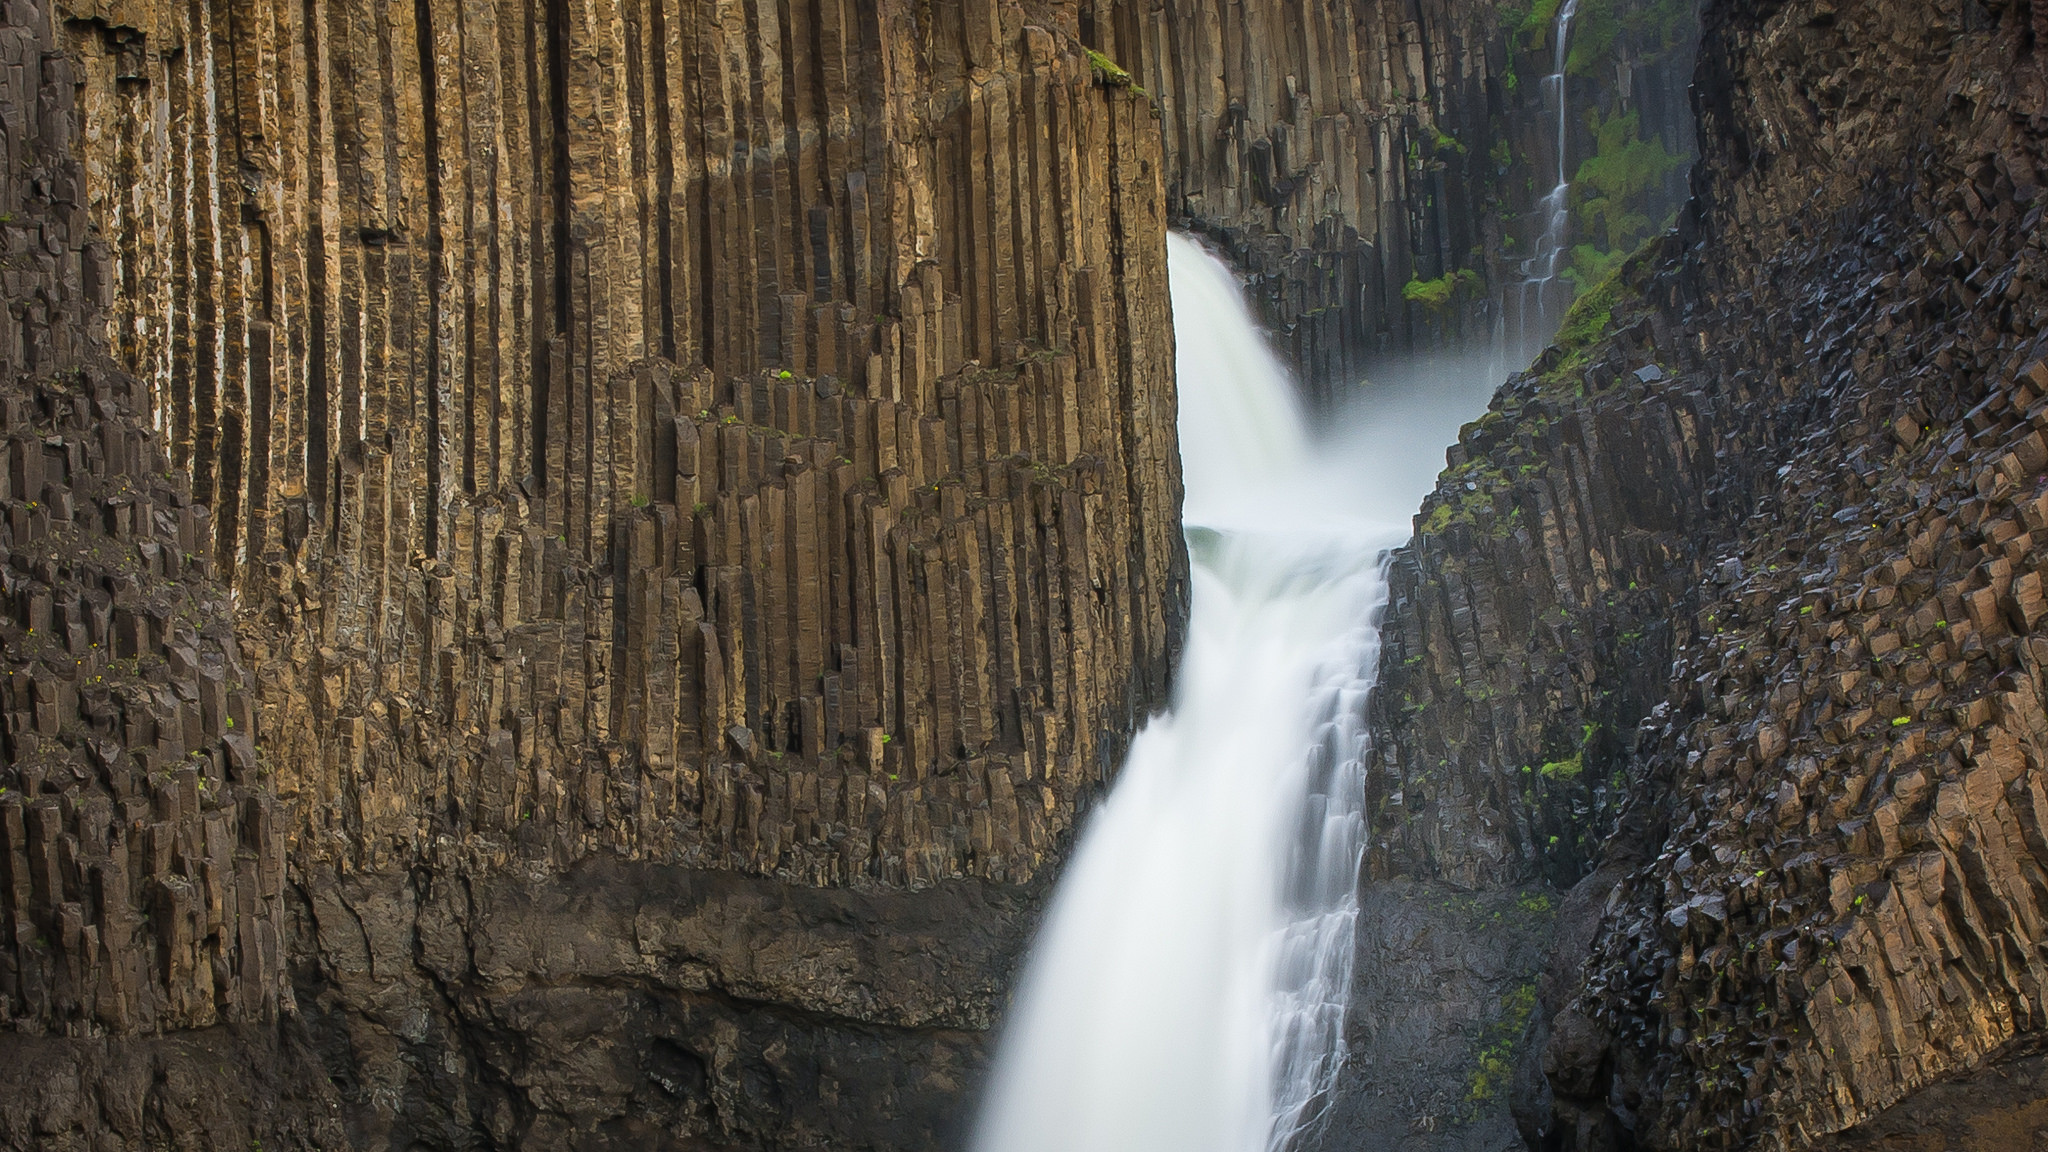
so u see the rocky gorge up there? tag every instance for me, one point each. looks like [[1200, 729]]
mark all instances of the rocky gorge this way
[[570, 571]]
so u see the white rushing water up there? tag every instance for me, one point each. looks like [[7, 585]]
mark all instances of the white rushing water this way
[[1541, 272], [1188, 987]]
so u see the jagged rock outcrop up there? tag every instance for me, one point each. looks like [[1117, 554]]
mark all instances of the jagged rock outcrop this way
[[1768, 517]]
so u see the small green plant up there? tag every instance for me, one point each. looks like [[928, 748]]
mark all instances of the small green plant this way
[[1111, 74]]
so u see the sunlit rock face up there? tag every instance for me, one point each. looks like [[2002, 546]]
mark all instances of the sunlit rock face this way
[[1726, 618], [630, 535]]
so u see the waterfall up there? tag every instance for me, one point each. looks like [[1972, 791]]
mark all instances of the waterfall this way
[[1187, 990], [1540, 272]]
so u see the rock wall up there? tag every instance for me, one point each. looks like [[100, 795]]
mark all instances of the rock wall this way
[[142, 847], [143, 863], [1336, 150], [722, 435], [609, 547], [1726, 616], [1376, 168]]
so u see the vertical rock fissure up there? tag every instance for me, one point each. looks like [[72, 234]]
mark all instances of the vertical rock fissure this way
[[317, 417], [664, 176], [555, 357], [710, 349], [436, 433]]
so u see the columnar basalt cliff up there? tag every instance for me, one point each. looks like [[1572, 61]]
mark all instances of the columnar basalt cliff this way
[[143, 851], [1337, 150], [1375, 167], [566, 572], [576, 499], [681, 513], [1727, 618]]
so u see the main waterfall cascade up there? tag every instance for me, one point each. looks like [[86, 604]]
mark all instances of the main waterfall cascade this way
[[1188, 989]]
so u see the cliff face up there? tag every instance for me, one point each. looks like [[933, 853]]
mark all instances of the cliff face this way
[[674, 508], [1336, 150], [142, 845], [1726, 617], [568, 570], [592, 505], [1377, 169], [681, 514]]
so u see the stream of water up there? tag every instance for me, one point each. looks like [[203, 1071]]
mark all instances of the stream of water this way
[[1187, 990], [1541, 273]]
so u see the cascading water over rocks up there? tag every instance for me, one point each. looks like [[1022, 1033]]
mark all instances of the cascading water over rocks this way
[[1534, 319], [1188, 990]]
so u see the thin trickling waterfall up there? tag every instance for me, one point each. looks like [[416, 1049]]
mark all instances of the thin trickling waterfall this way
[[1188, 988], [1535, 322]]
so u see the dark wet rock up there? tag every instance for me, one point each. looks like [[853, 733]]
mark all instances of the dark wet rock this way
[[1760, 637], [1446, 989]]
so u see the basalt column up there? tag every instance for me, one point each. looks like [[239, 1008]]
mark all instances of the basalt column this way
[[682, 477]]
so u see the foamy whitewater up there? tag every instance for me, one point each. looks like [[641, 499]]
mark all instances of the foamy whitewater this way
[[1188, 988]]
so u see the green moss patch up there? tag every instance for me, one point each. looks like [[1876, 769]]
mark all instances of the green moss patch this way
[[1493, 1068], [1112, 74], [1440, 293]]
